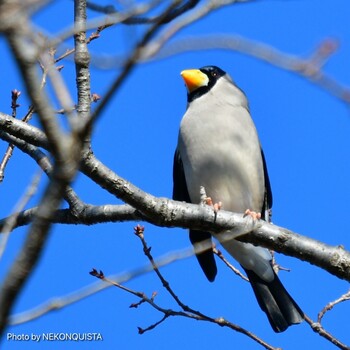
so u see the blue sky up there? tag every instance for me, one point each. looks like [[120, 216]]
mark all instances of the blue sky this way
[[305, 135]]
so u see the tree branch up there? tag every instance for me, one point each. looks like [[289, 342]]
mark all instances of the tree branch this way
[[168, 213], [186, 310], [129, 64], [176, 12], [64, 150], [75, 204], [309, 68], [82, 62], [68, 154], [317, 328]]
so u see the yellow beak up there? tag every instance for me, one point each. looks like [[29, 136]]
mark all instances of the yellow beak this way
[[194, 79]]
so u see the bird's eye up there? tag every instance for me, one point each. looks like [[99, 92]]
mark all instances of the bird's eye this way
[[214, 74]]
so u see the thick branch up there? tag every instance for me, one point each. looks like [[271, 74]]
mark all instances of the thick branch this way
[[82, 61], [75, 204], [164, 212], [335, 260], [169, 213], [23, 131], [89, 215]]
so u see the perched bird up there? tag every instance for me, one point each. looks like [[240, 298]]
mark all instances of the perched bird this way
[[219, 149]]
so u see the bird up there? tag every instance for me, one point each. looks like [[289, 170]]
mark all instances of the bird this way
[[219, 149]]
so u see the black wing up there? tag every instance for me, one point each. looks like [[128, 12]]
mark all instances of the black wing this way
[[265, 211], [180, 193]]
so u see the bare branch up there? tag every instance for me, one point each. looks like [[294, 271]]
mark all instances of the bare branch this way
[[102, 22], [139, 232], [219, 254], [317, 327], [63, 301], [82, 61], [309, 68], [155, 264], [65, 152], [176, 12], [129, 64], [26, 61], [164, 212], [68, 152], [333, 259], [86, 215], [330, 305], [187, 311], [23, 131], [75, 204], [8, 154], [208, 7], [59, 87], [12, 220]]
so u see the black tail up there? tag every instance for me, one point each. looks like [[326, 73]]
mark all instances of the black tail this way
[[280, 308]]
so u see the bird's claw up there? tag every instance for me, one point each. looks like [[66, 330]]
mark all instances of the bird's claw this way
[[216, 206], [253, 214]]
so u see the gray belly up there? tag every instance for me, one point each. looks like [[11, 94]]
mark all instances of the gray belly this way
[[230, 170]]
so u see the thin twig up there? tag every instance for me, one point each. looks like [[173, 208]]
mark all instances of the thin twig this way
[[95, 35], [189, 312], [104, 21], [59, 86], [219, 254], [73, 297], [208, 7], [11, 222], [309, 68], [139, 232], [8, 154], [63, 301], [129, 65], [317, 328], [176, 12], [331, 304]]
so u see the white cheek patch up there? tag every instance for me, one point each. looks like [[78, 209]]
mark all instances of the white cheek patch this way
[[205, 81]]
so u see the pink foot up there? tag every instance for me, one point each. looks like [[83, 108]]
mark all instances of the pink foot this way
[[253, 214], [216, 206]]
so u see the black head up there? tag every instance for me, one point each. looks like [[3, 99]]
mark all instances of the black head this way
[[213, 72], [200, 81]]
